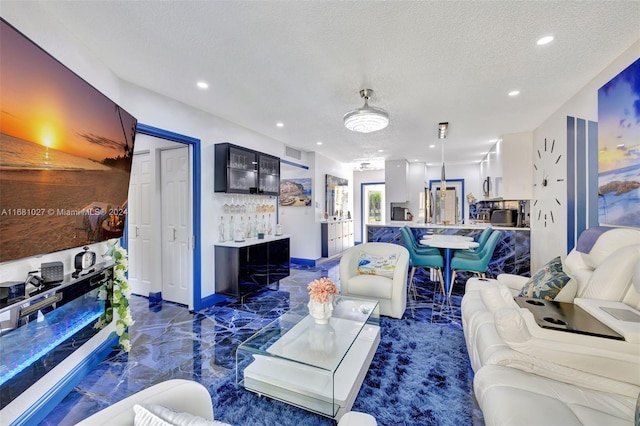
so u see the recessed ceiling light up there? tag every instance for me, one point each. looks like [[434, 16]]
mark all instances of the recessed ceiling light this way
[[432, 146], [544, 40], [279, 124], [381, 150], [203, 85], [514, 93], [318, 143]]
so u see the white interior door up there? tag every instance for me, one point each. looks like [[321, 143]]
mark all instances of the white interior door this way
[[176, 226], [139, 219]]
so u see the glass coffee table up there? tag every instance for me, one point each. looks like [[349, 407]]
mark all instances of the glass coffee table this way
[[318, 367]]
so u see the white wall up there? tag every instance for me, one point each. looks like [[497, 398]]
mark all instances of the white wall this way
[[549, 242], [300, 222]]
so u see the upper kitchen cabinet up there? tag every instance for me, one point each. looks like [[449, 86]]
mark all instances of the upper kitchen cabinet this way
[[236, 169], [268, 174], [517, 166], [396, 179], [506, 171], [241, 170]]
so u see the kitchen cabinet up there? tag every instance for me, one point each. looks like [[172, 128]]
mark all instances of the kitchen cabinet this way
[[508, 166], [336, 236], [517, 166], [246, 267], [240, 170], [396, 178], [268, 174]]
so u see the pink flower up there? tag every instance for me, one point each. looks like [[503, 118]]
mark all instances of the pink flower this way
[[321, 289]]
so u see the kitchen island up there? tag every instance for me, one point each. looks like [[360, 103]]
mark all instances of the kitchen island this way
[[512, 254]]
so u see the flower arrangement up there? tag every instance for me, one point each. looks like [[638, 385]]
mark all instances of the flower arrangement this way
[[120, 299], [321, 289]]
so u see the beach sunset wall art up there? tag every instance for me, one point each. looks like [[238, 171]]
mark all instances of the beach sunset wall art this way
[[65, 154], [619, 149]]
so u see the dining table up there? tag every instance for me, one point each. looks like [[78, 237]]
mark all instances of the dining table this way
[[449, 243]]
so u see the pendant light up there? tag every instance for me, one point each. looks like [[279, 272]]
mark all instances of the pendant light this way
[[442, 134], [366, 119]]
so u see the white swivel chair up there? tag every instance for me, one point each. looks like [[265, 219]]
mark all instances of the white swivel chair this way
[[389, 287]]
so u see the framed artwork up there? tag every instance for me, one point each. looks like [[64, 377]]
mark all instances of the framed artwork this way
[[295, 192], [619, 149]]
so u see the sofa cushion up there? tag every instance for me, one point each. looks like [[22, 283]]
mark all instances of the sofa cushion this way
[[372, 264], [373, 286], [613, 278], [508, 396], [609, 242], [547, 282], [157, 415]]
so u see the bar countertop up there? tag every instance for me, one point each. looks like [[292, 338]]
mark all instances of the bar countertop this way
[[398, 224], [250, 241]]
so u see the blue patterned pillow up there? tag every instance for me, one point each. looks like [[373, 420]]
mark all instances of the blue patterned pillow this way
[[547, 282], [371, 264]]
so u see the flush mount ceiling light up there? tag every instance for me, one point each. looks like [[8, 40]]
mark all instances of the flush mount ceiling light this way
[[366, 119]]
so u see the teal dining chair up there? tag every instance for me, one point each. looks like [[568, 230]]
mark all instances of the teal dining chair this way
[[482, 241], [477, 265], [422, 260], [408, 238]]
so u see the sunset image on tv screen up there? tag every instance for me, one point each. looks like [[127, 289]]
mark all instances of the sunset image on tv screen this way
[[65, 155]]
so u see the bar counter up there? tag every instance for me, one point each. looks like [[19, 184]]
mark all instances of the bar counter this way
[[512, 254]]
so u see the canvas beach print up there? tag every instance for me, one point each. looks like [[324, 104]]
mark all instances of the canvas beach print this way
[[295, 192], [619, 149]]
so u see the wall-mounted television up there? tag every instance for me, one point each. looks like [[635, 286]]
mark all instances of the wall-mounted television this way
[[65, 154]]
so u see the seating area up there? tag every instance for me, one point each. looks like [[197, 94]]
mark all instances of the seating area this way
[[525, 359]]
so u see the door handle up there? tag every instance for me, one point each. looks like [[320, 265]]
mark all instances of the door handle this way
[[174, 234], [137, 231]]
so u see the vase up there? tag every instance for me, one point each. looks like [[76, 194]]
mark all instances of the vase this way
[[320, 311]]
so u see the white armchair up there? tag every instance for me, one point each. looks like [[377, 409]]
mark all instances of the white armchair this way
[[388, 284], [187, 398]]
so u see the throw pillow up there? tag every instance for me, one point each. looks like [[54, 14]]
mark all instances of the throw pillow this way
[[371, 264], [547, 282], [157, 415]]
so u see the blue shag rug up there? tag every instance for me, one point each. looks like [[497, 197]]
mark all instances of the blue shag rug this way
[[420, 375]]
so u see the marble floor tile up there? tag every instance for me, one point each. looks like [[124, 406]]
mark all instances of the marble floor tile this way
[[169, 341]]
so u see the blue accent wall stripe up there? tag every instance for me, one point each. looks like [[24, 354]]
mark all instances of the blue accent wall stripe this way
[[291, 163], [304, 262], [592, 169], [362, 193], [570, 183], [581, 176]]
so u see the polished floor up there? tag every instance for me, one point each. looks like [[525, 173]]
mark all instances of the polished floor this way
[[168, 341]]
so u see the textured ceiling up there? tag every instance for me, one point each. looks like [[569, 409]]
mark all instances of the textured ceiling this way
[[303, 63]]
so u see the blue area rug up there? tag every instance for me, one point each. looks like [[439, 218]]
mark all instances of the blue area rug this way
[[420, 375]]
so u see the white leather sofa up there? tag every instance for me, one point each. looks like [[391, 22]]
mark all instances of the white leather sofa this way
[[390, 292], [528, 375], [183, 396]]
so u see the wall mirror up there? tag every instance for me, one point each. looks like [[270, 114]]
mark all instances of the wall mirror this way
[[337, 196]]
